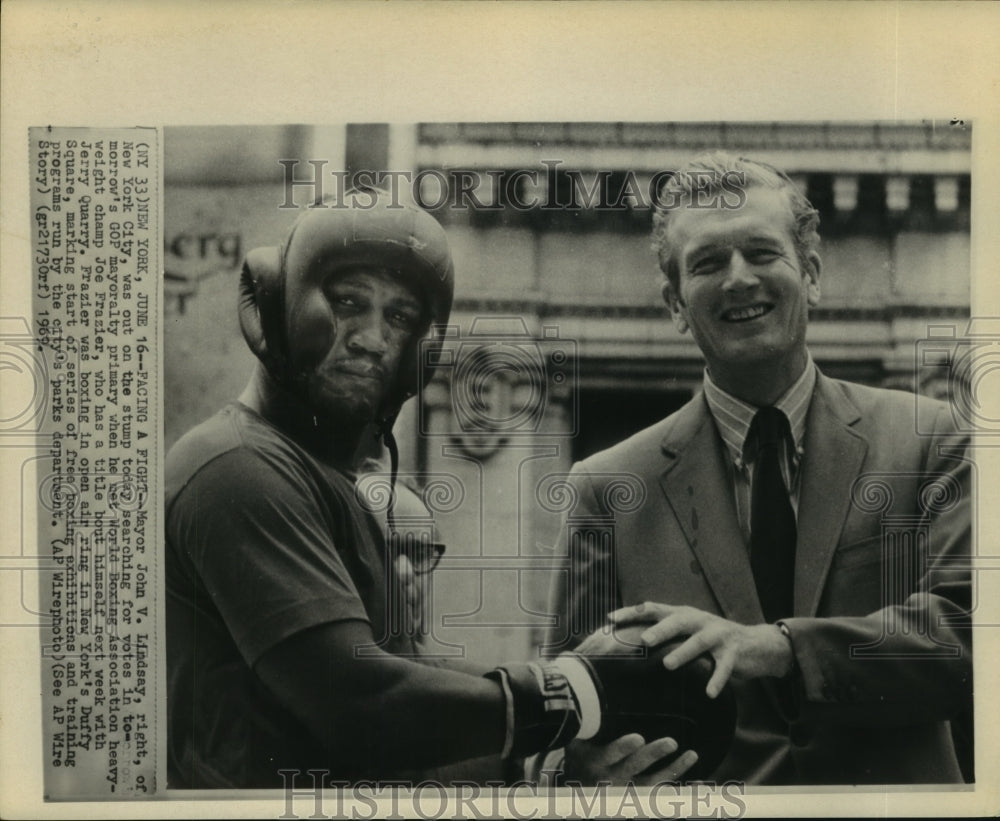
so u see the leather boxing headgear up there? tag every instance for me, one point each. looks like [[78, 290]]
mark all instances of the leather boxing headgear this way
[[400, 239]]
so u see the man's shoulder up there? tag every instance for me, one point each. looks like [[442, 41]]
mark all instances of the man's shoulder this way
[[235, 435], [220, 433], [882, 405], [869, 395]]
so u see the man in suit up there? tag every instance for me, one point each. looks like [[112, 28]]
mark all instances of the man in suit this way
[[814, 549]]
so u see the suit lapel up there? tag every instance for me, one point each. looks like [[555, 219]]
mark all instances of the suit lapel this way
[[834, 454], [699, 489]]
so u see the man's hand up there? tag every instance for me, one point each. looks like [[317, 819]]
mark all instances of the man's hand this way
[[606, 641], [412, 595], [744, 651], [625, 760]]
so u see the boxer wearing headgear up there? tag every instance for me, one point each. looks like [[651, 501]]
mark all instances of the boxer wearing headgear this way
[[288, 288], [276, 577]]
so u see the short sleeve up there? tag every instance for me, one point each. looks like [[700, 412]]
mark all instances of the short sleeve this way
[[259, 537]]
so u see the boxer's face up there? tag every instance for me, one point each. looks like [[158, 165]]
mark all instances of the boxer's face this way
[[742, 288], [346, 338]]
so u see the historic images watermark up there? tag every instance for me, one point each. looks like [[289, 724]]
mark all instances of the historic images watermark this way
[[309, 795], [550, 188]]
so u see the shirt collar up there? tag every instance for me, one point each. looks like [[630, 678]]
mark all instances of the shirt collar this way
[[733, 416]]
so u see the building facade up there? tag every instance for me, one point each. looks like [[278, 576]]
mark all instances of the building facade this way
[[560, 342]]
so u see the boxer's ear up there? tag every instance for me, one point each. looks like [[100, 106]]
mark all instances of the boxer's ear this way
[[261, 298]]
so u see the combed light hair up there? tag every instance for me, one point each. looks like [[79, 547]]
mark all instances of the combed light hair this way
[[719, 174]]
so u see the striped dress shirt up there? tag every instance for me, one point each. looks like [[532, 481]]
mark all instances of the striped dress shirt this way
[[732, 419]]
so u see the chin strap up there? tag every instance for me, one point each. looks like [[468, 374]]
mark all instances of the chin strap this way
[[385, 431]]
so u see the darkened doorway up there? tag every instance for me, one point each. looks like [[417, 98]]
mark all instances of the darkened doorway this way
[[609, 415]]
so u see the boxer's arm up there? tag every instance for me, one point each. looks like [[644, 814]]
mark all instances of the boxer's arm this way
[[387, 710], [392, 712]]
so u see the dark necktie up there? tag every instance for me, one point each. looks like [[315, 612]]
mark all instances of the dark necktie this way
[[772, 520]]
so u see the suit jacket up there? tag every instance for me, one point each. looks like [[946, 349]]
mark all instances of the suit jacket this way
[[882, 587]]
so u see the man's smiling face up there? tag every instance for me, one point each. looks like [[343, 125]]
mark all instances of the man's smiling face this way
[[742, 289]]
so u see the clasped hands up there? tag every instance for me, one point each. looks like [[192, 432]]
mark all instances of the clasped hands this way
[[738, 650], [745, 651]]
